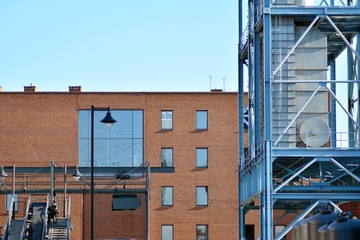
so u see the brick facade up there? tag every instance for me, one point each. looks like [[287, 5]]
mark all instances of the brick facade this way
[[38, 127]]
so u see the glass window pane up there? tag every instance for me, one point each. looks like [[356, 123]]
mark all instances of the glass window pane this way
[[9, 198], [201, 196], [166, 119], [166, 232], [166, 196], [138, 124], [124, 126], [201, 120], [121, 154], [166, 157], [201, 232], [201, 157], [84, 152], [84, 124], [102, 152], [137, 152]]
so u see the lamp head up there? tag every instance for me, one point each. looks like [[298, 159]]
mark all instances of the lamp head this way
[[3, 174], [77, 175], [108, 119]]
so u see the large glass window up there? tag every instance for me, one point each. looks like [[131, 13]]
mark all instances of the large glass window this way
[[167, 232], [167, 196], [201, 157], [167, 157], [201, 120], [201, 232], [118, 146], [166, 120], [202, 196], [9, 198]]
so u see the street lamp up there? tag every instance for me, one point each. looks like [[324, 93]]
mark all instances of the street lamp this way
[[108, 121], [3, 175]]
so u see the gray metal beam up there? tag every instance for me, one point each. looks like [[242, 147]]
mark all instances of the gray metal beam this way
[[318, 196], [299, 11]]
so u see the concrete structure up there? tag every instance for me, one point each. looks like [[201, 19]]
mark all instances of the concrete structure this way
[[37, 127]]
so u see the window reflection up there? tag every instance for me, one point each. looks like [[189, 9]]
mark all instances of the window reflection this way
[[121, 145]]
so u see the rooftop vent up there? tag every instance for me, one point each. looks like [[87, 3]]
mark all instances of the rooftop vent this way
[[75, 88], [30, 88]]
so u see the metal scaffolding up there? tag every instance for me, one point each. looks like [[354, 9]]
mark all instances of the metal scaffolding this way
[[304, 121]]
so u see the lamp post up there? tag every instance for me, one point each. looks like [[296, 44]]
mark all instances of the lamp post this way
[[108, 121]]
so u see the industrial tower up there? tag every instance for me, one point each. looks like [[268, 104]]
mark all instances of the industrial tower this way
[[303, 138]]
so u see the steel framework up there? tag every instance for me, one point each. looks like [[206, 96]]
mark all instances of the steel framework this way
[[280, 169]]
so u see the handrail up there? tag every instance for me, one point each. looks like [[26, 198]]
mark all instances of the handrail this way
[[45, 220], [68, 219], [10, 218], [22, 235]]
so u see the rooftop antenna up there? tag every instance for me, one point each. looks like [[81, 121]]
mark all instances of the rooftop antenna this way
[[210, 81], [224, 83]]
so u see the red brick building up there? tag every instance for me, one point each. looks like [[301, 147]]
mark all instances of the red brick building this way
[[195, 134]]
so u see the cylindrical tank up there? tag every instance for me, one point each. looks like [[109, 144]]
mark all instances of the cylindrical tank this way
[[322, 232], [295, 231], [345, 227], [303, 229], [315, 222]]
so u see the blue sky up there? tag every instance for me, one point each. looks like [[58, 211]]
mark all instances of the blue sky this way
[[118, 45]]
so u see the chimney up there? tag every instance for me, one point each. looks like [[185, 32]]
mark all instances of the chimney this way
[[1, 89], [30, 88], [75, 89]]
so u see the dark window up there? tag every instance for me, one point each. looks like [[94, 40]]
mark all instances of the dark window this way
[[201, 196], [166, 120], [249, 232], [202, 232], [201, 120], [201, 157], [167, 157], [167, 196], [167, 232], [118, 146]]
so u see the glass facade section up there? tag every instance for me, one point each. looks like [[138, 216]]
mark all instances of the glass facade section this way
[[201, 196], [167, 157], [118, 146], [166, 120], [167, 232], [201, 120], [166, 196], [201, 232], [201, 157]]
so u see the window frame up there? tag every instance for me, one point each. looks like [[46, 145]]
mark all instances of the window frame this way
[[172, 196], [163, 120], [207, 120], [207, 157], [207, 196], [172, 156], [207, 231], [172, 231]]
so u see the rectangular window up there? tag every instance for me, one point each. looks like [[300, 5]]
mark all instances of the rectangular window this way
[[201, 120], [202, 232], [167, 196], [9, 198], [201, 196], [201, 157], [166, 120], [118, 146], [167, 232], [167, 157], [279, 229]]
